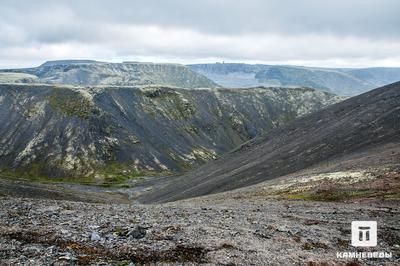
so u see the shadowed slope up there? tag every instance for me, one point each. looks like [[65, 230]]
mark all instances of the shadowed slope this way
[[357, 124]]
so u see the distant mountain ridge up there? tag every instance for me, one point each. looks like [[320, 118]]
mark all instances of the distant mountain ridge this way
[[69, 62], [341, 81], [94, 73]]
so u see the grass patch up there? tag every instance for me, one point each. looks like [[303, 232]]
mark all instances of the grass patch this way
[[113, 174], [394, 196], [116, 174], [34, 174], [21, 176]]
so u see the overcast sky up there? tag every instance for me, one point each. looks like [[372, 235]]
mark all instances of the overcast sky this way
[[336, 33]]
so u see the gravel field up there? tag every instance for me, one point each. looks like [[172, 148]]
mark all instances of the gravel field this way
[[214, 230]]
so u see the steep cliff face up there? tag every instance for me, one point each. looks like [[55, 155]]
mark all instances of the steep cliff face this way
[[119, 132], [85, 72]]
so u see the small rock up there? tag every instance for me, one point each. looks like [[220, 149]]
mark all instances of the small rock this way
[[282, 228], [95, 237], [50, 209], [67, 257], [93, 226], [137, 232], [31, 249]]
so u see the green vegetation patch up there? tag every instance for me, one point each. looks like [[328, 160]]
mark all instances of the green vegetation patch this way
[[113, 174], [34, 173], [333, 195], [72, 103]]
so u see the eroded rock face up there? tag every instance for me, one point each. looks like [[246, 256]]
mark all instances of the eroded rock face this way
[[113, 132]]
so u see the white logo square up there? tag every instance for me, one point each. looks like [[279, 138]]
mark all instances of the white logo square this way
[[364, 233]]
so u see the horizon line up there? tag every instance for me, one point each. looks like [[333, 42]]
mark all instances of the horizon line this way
[[200, 62]]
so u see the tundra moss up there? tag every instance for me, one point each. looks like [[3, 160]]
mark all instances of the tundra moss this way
[[116, 173], [31, 172], [331, 195], [110, 175], [34, 173], [71, 103]]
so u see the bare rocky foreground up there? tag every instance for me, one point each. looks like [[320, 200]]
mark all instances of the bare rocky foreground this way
[[210, 230]]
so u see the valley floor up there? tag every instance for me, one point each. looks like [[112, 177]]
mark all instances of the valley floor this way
[[209, 230]]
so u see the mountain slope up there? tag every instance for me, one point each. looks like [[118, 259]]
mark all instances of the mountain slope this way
[[379, 76], [339, 81], [65, 131], [352, 126], [86, 72], [17, 78]]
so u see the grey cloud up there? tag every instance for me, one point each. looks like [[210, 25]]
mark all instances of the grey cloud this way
[[365, 18], [237, 29]]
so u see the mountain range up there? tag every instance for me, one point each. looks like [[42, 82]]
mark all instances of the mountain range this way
[[341, 81], [94, 73]]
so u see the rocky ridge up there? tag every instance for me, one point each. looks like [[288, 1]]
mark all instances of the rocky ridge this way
[[125, 132], [86, 72]]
